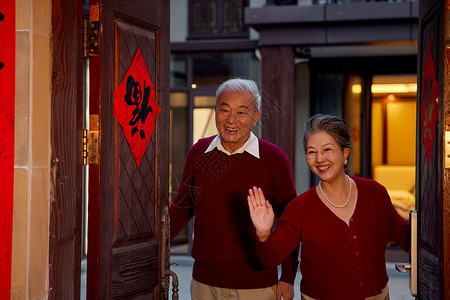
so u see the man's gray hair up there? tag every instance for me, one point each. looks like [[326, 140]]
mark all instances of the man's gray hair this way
[[241, 85]]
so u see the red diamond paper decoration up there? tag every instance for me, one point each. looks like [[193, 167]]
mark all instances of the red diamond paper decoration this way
[[135, 107], [429, 104]]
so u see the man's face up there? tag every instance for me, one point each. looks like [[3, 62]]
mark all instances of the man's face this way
[[236, 115]]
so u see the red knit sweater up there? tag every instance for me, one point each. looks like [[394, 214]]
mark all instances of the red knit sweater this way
[[338, 261], [214, 188]]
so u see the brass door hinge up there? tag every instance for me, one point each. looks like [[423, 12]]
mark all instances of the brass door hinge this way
[[91, 32], [85, 146], [90, 142]]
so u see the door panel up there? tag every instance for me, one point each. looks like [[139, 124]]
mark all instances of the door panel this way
[[125, 240], [433, 258], [135, 242], [136, 203], [134, 269]]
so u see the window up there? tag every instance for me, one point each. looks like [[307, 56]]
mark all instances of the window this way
[[204, 117], [394, 120], [217, 19], [212, 68], [178, 68]]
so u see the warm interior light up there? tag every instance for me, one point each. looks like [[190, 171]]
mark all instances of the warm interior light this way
[[356, 89], [194, 86], [396, 88]]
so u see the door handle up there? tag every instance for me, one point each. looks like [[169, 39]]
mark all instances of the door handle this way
[[413, 251], [166, 273], [412, 266], [403, 267]]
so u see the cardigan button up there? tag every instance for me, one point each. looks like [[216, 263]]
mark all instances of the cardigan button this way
[[357, 253], [351, 219], [361, 283], [354, 237]]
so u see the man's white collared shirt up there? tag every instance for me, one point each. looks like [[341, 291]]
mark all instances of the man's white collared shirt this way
[[251, 146]]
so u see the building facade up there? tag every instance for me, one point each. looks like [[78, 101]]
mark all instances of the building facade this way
[[373, 63], [308, 57]]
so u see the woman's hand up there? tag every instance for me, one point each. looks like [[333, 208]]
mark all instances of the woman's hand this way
[[261, 213]]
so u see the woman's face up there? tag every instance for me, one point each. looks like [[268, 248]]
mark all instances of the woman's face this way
[[324, 156]]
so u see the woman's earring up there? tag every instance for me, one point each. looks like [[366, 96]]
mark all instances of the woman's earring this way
[[345, 162]]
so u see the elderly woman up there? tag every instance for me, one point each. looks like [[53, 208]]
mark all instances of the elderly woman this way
[[343, 223]]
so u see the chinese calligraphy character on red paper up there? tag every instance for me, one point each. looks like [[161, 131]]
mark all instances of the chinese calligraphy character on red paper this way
[[135, 107]]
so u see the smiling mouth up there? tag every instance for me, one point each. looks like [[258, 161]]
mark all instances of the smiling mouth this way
[[232, 129], [323, 168]]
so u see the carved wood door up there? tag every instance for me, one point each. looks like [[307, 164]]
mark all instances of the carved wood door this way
[[432, 174], [126, 197]]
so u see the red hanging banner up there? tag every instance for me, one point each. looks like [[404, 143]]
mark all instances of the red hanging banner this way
[[7, 103], [135, 107]]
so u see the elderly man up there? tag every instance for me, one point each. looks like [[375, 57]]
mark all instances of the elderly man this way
[[217, 175]]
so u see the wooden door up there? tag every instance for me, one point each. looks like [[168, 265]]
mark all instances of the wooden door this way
[[432, 174], [126, 198]]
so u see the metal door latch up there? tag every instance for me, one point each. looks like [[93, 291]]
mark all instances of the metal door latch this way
[[412, 267], [166, 273]]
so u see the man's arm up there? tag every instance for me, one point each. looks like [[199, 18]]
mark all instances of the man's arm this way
[[182, 208]]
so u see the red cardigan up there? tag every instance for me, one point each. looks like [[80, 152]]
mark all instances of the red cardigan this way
[[338, 261], [214, 188]]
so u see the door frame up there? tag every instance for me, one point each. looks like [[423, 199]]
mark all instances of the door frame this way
[[66, 142]]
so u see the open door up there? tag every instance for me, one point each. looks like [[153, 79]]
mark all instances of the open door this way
[[127, 195], [433, 169]]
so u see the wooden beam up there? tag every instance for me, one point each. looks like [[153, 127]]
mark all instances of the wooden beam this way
[[278, 98]]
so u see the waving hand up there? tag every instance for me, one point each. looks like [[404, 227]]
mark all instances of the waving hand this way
[[261, 213]]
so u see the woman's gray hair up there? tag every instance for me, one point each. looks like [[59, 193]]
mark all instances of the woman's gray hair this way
[[332, 125], [241, 85]]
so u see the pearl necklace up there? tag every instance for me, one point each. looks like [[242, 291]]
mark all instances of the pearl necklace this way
[[335, 205]]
